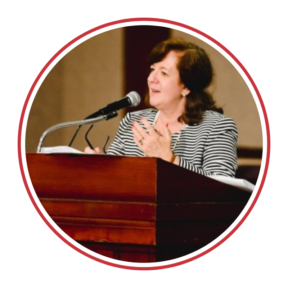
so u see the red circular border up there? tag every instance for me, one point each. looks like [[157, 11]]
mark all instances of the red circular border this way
[[163, 21]]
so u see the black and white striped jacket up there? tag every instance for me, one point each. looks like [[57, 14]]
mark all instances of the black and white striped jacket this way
[[208, 148]]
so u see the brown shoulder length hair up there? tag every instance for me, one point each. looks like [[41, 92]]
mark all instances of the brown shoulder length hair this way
[[196, 73]]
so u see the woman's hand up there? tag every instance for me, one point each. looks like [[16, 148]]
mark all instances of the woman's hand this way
[[150, 142], [88, 150]]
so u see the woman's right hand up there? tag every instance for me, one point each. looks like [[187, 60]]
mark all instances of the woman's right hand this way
[[96, 150]]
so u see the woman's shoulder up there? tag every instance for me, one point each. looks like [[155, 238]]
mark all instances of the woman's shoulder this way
[[212, 119], [210, 116]]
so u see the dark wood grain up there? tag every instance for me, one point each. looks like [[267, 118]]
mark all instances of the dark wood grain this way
[[133, 209], [100, 209], [246, 152], [93, 177]]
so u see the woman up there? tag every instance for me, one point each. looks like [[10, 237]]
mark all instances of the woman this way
[[184, 127]]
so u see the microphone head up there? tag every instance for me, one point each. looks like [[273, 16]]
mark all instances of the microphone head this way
[[134, 98]]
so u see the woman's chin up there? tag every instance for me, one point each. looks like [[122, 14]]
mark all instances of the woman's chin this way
[[154, 104], [153, 101]]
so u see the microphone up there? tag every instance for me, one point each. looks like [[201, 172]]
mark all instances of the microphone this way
[[131, 99]]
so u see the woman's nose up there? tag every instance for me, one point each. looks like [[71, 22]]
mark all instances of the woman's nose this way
[[153, 77]]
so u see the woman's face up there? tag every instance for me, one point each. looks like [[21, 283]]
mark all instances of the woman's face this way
[[165, 87]]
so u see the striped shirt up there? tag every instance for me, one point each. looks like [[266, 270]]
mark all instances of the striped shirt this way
[[207, 148]]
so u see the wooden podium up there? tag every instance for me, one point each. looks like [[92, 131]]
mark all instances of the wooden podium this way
[[133, 209]]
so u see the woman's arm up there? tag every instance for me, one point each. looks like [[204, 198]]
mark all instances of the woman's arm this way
[[220, 151]]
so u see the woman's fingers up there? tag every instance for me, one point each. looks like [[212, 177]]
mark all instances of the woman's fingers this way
[[139, 132], [167, 133], [98, 150], [88, 150], [149, 127]]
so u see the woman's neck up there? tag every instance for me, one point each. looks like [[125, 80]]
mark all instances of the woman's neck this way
[[171, 114], [170, 119]]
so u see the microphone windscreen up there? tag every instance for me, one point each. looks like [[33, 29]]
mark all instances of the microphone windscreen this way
[[134, 98]]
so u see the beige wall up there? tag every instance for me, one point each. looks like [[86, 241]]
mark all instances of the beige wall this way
[[91, 76], [85, 80]]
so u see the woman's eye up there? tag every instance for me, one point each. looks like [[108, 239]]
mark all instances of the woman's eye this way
[[164, 73]]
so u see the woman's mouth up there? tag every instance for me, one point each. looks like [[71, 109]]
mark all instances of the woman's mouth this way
[[154, 91]]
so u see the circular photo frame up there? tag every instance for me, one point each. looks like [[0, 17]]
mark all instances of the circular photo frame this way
[[23, 165]]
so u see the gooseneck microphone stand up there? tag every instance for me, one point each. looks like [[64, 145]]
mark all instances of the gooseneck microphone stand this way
[[74, 123]]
